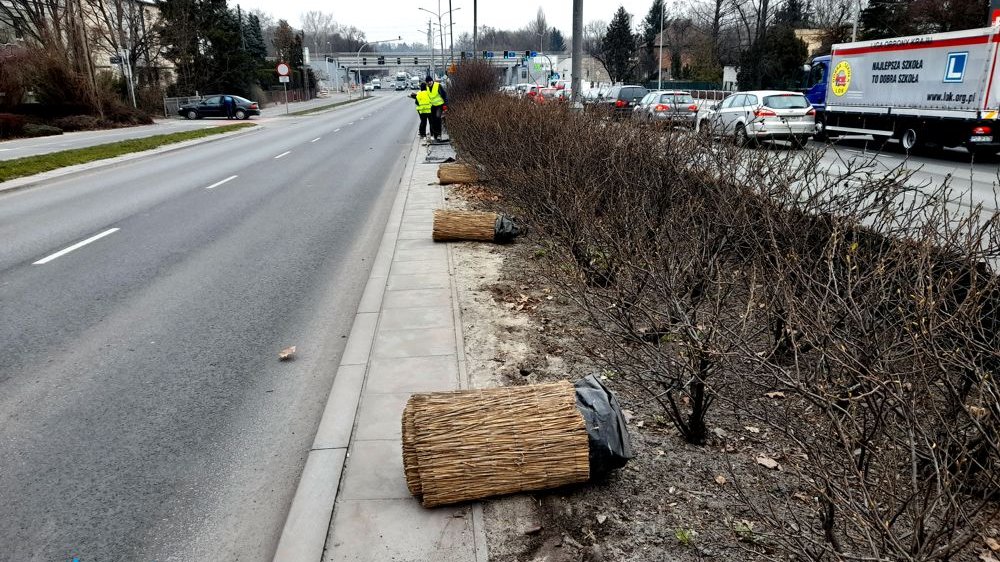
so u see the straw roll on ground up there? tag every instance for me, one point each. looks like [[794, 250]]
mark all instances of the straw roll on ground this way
[[466, 445], [464, 225], [456, 173]]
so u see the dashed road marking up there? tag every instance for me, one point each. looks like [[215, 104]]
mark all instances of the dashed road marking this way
[[283, 154], [315, 139], [218, 183], [76, 246]]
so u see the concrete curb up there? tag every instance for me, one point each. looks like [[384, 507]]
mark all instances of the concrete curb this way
[[33, 180], [303, 537]]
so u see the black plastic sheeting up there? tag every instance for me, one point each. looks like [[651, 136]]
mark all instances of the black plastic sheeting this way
[[610, 446], [505, 230]]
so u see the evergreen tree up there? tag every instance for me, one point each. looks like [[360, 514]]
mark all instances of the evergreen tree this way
[[774, 62], [254, 37], [618, 47], [886, 18], [792, 14], [557, 43]]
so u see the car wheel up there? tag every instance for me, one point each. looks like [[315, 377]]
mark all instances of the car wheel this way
[[191, 114], [741, 137], [240, 114]]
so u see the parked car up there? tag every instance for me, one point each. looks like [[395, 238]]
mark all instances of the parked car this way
[[748, 117], [548, 95], [620, 100], [212, 106], [369, 87], [531, 90], [670, 107]]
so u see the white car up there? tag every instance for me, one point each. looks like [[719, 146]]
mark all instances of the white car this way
[[369, 87], [757, 115]]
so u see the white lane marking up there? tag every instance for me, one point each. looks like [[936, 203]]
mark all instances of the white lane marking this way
[[283, 154], [218, 183], [6, 149], [362, 119], [315, 139], [336, 130], [351, 123], [76, 246]]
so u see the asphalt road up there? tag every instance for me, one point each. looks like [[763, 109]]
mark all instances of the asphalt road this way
[[143, 412]]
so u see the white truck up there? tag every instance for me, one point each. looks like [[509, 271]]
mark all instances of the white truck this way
[[402, 81], [940, 88]]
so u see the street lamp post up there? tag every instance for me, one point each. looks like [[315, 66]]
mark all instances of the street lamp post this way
[[451, 33], [440, 15]]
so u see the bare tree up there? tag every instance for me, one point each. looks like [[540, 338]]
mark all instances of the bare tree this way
[[318, 27]]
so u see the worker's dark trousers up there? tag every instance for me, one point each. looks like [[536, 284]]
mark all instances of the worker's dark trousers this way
[[436, 112], [423, 124]]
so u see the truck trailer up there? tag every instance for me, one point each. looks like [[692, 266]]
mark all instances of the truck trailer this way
[[939, 88]]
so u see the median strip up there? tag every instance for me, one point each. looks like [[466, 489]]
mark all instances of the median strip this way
[[30, 165], [76, 246]]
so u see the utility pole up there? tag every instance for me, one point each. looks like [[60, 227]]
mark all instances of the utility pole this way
[[577, 63], [475, 28], [857, 15], [659, 63], [451, 33]]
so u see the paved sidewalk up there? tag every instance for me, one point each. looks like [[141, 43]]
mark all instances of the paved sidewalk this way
[[406, 338]]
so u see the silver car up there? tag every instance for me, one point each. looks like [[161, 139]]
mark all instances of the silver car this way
[[670, 107], [748, 117]]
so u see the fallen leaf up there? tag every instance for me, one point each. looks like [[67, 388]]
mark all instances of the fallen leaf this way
[[628, 414], [977, 412], [987, 557], [767, 462], [533, 530], [639, 423], [601, 518], [993, 544], [802, 496], [720, 480], [751, 429], [660, 452], [286, 353], [775, 394]]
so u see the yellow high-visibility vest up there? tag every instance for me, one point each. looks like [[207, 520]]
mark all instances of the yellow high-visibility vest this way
[[423, 101], [436, 98]]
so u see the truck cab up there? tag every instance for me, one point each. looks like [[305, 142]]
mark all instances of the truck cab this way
[[816, 82]]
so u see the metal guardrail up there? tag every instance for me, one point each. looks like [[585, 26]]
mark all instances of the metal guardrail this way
[[172, 105]]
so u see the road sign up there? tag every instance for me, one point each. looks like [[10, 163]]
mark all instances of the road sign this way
[[282, 69], [283, 79]]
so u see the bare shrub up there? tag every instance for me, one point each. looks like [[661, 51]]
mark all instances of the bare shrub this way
[[472, 79], [725, 276]]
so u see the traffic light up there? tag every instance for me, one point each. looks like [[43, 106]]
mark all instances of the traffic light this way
[[399, 60], [415, 60], [527, 54], [381, 59], [364, 61], [506, 54], [463, 55]]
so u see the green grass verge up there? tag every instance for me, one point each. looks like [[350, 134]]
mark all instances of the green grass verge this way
[[326, 107], [30, 165]]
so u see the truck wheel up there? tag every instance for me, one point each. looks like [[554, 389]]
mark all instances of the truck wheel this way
[[909, 139]]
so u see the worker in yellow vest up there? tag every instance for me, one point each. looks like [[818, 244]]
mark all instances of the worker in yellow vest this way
[[439, 102], [423, 108]]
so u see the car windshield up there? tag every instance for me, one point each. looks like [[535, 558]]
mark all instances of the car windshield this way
[[678, 99], [632, 93], [786, 101]]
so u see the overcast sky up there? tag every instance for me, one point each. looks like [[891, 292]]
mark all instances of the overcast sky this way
[[385, 19]]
